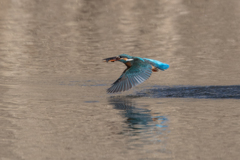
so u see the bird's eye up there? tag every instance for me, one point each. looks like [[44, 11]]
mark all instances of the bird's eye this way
[[120, 56]]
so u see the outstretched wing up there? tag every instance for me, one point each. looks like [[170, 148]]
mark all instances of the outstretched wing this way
[[139, 72]]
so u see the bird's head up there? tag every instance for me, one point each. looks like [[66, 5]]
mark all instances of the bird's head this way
[[122, 58]]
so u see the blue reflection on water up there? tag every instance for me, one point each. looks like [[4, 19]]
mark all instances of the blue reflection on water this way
[[141, 121]]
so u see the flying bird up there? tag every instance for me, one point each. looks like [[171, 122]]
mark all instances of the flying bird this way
[[138, 70]]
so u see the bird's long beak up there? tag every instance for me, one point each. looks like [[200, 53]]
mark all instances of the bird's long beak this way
[[111, 59]]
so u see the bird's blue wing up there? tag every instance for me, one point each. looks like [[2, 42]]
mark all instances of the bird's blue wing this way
[[158, 64], [136, 74]]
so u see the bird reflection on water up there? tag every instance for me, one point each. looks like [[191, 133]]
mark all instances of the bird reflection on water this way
[[147, 127]]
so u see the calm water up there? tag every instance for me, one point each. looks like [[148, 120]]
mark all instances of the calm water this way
[[53, 102]]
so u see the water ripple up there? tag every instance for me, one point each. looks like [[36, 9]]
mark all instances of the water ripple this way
[[212, 92]]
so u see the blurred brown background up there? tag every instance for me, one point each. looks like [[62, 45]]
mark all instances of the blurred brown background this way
[[53, 102]]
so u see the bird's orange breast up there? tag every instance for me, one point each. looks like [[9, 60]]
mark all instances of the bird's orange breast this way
[[128, 64]]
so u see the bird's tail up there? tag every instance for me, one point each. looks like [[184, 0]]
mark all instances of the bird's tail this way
[[158, 64]]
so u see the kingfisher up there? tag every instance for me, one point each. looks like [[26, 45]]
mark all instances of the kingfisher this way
[[138, 70]]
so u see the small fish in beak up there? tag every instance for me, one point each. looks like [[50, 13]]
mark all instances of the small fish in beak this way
[[111, 59]]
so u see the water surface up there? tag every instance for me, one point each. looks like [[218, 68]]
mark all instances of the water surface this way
[[53, 102]]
